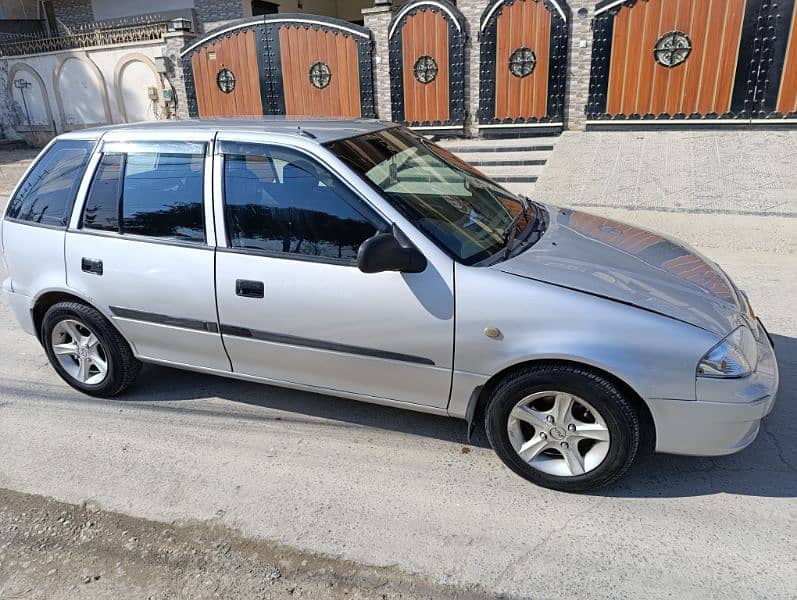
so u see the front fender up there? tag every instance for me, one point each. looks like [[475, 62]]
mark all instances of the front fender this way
[[654, 355]]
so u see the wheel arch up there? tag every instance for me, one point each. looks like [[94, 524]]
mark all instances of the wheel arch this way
[[48, 298], [480, 398]]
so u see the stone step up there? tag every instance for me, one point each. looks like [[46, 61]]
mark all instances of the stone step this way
[[498, 148], [513, 143], [512, 170], [504, 160], [524, 188]]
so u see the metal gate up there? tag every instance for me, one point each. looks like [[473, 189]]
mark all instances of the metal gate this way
[[670, 61], [523, 65], [282, 64], [427, 66]]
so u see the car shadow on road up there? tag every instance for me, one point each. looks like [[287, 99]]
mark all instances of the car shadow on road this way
[[766, 468]]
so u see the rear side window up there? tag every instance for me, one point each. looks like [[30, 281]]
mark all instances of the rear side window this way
[[153, 194], [279, 201], [48, 193], [102, 203]]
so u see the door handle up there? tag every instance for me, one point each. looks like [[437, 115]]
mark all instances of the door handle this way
[[249, 289], [91, 265]]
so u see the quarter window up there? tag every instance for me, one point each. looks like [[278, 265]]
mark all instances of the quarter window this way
[[153, 194], [102, 202], [278, 201], [48, 192]]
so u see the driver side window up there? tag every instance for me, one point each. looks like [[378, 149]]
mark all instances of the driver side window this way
[[279, 201]]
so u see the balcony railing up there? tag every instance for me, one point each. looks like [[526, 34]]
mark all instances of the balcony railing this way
[[93, 34]]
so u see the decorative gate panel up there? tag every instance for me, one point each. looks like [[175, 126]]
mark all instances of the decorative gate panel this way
[[427, 65], [672, 60], [787, 94], [282, 64], [226, 77], [323, 71], [523, 64]]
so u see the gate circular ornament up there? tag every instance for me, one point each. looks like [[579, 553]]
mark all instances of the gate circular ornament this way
[[425, 69], [225, 80], [672, 49], [522, 62], [320, 75]]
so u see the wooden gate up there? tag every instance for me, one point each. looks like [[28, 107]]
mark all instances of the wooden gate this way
[[282, 64], [427, 66], [523, 65], [673, 60]]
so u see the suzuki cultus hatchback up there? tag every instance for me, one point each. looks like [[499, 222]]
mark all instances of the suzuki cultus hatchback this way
[[357, 259]]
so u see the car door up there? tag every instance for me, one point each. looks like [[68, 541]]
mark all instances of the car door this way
[[141, 247], [294, 307]]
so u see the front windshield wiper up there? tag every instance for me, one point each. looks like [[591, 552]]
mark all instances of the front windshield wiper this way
[[511, 231]]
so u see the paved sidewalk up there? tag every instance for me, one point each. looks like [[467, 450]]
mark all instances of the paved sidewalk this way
[[732, 172], [13, 164]]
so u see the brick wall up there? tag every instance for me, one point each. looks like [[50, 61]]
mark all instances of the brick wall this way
[[72, 13], [577, 88], [182, 81], [215, 13], [377, 19], [472, 11]]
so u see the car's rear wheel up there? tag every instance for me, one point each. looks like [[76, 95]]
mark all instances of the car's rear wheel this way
[[86, 351], [563, 427]]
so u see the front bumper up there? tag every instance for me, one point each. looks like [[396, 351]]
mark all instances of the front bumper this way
[[727, 414]]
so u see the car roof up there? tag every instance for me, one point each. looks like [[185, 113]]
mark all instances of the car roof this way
[[321, 129]]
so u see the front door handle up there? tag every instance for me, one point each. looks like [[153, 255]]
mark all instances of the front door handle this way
[[91, 265], [249, 289]]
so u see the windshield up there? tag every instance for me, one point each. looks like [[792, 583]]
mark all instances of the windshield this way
[[468, 215]]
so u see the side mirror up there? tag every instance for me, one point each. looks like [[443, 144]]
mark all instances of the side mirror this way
[[390, 252]]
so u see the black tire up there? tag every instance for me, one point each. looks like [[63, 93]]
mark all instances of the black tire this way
[[602, 394], [123, 367]]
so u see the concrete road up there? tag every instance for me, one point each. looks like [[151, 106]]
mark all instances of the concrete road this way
[[387, 487]]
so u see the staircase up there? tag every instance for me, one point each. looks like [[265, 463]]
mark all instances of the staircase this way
[[514, 163]]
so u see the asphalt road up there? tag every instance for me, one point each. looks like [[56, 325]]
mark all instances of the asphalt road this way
[[387, 487]]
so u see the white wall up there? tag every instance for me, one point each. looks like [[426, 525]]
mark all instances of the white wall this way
[[133, 77], [35, 98], [104, 9], [82, 87], [85, 87]]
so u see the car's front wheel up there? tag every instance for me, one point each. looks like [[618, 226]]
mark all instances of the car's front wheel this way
[[563, 427], [86, 351]]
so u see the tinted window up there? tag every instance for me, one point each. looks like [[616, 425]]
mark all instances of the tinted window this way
[[279, 201], [162, 196], [102, 202], [48, 192]]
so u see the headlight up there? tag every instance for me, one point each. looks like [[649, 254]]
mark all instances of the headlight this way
[[735, 356]]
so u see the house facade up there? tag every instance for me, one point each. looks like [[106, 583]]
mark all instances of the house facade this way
[[470, 67]]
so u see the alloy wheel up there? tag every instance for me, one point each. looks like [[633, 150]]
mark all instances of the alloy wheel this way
[[558, 433], [79, 352]]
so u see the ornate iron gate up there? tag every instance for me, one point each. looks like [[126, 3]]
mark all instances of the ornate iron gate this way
[[427, 66], [282, 64], [523, 65], [671, 61]]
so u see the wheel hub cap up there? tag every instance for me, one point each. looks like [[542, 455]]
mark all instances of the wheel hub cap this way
[[558, 433], [79, 352]]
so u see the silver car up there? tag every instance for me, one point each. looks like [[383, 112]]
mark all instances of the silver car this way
[[357, 259]]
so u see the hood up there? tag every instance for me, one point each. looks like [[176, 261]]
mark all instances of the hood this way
[[607, 258]]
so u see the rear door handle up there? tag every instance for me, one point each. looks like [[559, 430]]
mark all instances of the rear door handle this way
[[249, 289], [91, 265]]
